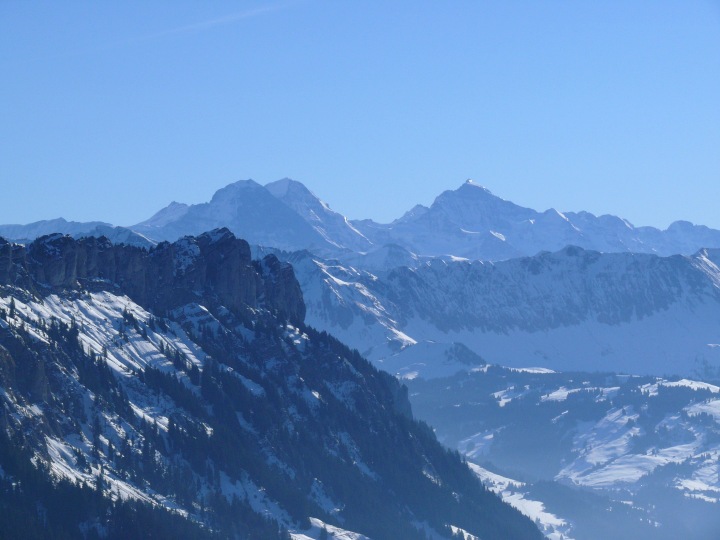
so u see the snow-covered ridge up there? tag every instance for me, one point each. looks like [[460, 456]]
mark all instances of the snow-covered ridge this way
[[511, 491], [573, 309]]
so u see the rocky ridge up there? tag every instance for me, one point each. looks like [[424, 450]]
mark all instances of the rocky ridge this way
[[215, 264]]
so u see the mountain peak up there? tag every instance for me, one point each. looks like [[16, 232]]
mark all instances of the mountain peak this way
[[472, 184], [170, 213], [280, 188], [330, 225], [472, 201], [217, 235], [415, 212], [236, 188]]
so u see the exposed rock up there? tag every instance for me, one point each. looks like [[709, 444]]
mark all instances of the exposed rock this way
[[214, 264]]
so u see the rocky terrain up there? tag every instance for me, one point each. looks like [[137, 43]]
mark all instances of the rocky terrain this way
[[177, 391]]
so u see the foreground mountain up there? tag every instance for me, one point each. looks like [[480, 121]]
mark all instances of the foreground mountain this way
[[569, 310], [176, 391], [589, 456]]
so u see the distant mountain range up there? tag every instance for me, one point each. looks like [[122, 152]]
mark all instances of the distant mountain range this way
[[25, 234], [469, 222]]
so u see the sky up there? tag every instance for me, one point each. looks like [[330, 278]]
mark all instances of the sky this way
[[111, 110]]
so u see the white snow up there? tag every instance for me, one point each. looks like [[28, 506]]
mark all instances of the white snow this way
[[334, 533], [560, 394], [711, 407], [536, 370], [511, 492], [99, 319], [605, 457]]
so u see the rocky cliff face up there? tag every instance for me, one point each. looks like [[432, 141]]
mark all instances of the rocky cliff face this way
[[212, 265]]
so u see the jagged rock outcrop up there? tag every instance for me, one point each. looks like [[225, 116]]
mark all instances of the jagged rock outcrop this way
[[214, 264]]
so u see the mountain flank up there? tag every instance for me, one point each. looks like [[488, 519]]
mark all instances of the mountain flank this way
[[178, 390]]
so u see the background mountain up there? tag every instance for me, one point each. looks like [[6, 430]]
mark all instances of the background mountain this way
[[248, 210], [177, 391], [473, 223], [27, 233], [573, 309], [48, 226], [333, 227], [469, 222]]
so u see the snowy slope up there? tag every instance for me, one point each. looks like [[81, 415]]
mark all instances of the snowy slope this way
[[333, 227], [118, 235], [511, 491], [572, 309], [645, 447]]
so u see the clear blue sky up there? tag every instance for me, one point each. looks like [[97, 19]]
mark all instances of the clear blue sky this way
[[110, 110]]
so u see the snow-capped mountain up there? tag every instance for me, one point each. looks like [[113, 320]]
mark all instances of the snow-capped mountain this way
[[333, 227], [588, 456], [176, 392], [473, 223], [118, 235], [48, 226], [356, 287], [573, 309], [469, 222], [246, 208]]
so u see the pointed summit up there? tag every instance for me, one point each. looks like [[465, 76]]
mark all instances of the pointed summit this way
[[473, 207], [472, 188], [240, 188], [470, 183], [170, 213], [280, 188]]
